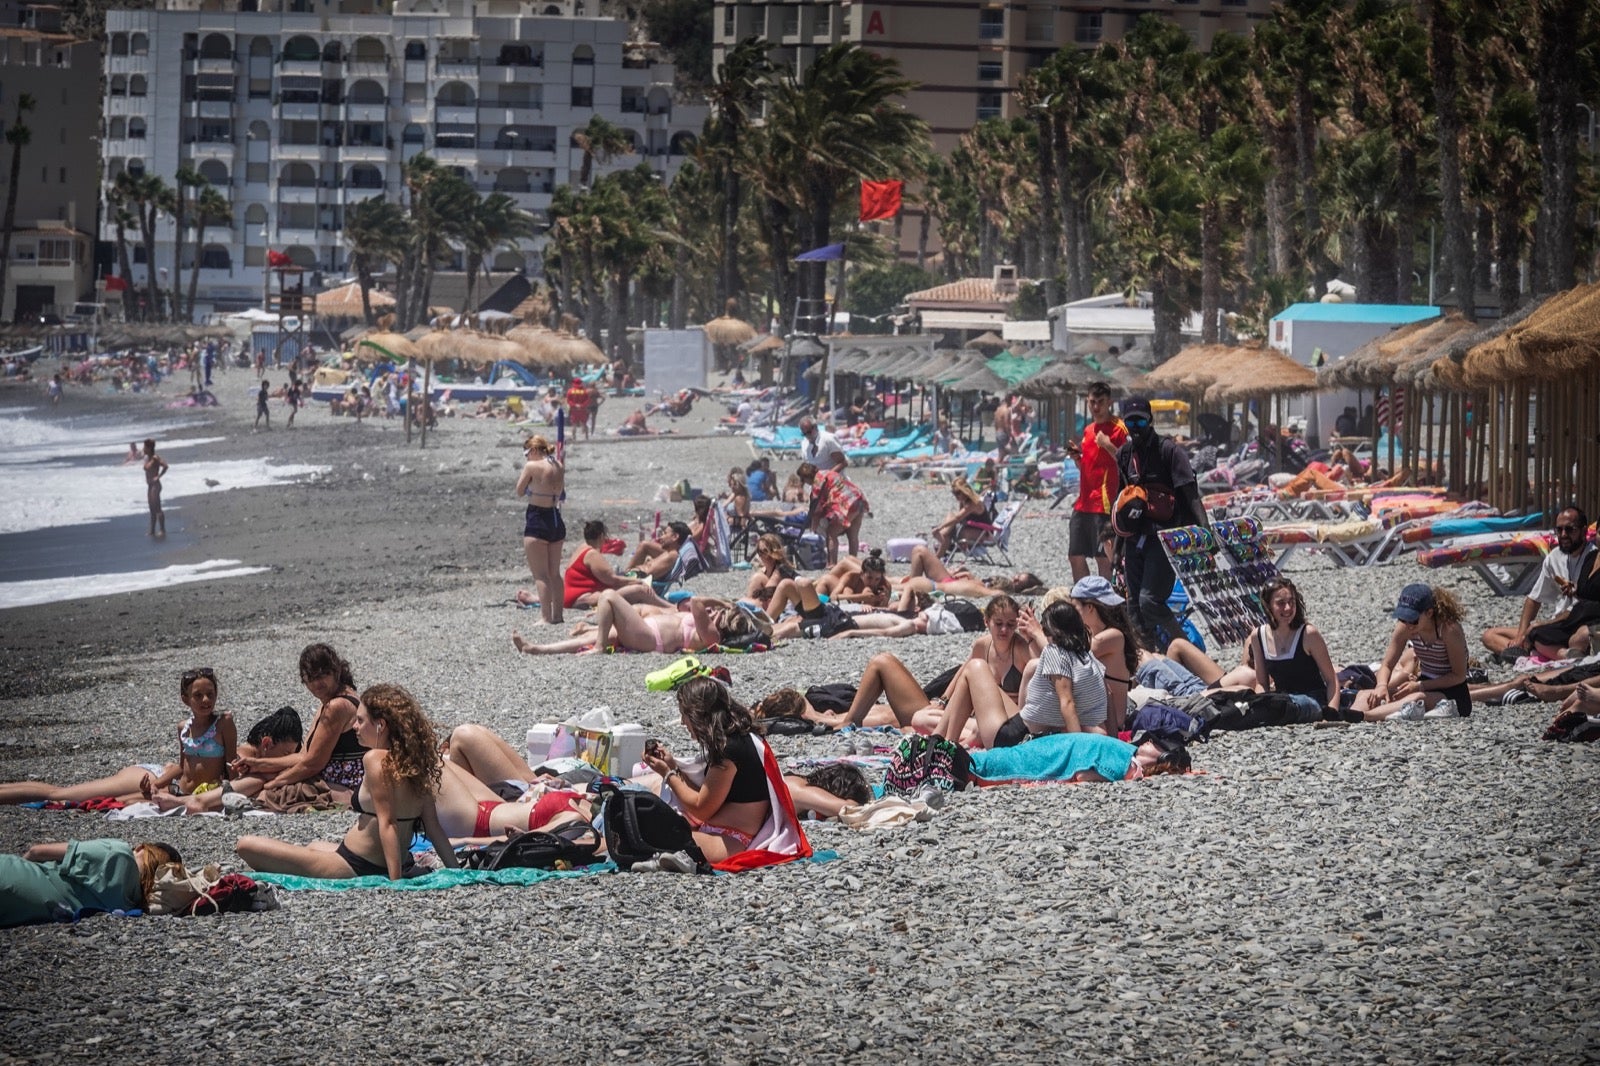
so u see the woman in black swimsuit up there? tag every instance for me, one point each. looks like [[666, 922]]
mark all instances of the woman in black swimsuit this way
[[1012, 641], [332, 751], [543, 482], [731, 804], [396, 797]]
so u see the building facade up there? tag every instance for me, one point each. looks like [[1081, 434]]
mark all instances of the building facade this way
[[298, 114], [51, 263], [967, 56]]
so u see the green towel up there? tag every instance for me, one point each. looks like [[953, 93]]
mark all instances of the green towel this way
[[436, 881]]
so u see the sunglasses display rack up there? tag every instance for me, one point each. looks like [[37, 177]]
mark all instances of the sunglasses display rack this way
[[1223, 569]]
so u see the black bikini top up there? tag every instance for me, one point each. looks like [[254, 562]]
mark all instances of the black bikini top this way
[[1012, 682], [355, 805]]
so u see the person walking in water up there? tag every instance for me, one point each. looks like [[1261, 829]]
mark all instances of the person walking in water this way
[[261, 407], [154, 467], [543, 482]]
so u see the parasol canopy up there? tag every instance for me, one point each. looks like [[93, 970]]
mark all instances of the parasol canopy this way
[[727, 330], [345, 301], [393, 345], [1267, 372]]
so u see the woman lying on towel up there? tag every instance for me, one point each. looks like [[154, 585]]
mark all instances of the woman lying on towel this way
[[732, 803], [1079, 757], [480, 770], [396, 798], [206, 742], [1065, 691], [929, 574], [706, 622], [58, 882]]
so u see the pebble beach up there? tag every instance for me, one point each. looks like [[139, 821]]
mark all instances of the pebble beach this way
[[1395, 893]]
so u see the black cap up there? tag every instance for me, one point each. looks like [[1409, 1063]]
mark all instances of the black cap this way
[[1136, 405]]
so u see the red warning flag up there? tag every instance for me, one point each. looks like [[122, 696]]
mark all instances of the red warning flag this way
[[880, 199]]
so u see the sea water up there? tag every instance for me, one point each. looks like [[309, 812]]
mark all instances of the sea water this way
[[69, 494]]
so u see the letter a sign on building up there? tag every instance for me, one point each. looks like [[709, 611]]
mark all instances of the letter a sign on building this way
[[877, 26]]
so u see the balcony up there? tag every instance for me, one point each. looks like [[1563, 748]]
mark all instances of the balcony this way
[[497, 115], [297, 194], [455, 116], [127, 105], [364, 153], [306, 67], [127, 65], [366, 68], [209, 108], [366, 112], [297, 111], [509, 73], [199, 150], [455, 157], [125, 148], [534, 200], [299, 235], [351, 195], [446, 69], [215, 65], [310, 153]]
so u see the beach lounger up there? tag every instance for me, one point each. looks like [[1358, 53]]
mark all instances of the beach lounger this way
[[778, 441], [993, 541], [1507, 562], [887, 447]]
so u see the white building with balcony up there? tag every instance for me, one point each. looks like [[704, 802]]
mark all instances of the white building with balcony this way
[[297, 114]]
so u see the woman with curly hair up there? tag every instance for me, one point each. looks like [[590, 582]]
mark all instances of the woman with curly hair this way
[[1428, 622], [731, 802], [397, 794]]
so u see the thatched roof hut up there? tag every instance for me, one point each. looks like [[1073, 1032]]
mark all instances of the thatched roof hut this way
[[989, 339], [1560, 338], [392, 345], [344, 301], [725, 329], [1266, 372], [1197, 359]]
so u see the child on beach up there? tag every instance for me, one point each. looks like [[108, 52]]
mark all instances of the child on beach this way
[[206, 743], [261, 407], [154, 468]]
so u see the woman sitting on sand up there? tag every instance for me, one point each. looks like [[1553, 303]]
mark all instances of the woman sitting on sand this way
[[1065, 691], [206, 741], [656, 558], [590, 574], [62, 881], [731, 803], [395, 799], [1427, 621], [969, 508], [703, 623], [333, 751], [1290, 655], [771, 569]]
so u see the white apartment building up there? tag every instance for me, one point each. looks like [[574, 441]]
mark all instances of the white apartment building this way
[[298, 113]]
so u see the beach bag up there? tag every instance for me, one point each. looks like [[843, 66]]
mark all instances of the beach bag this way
[[177, 891], [1241, 709], [809, 552], [920, 762], [826, 622], [970, 614], [935, 689], [572, 845], [1574, 727], [835, 698], [1158, 720], [641, 825]]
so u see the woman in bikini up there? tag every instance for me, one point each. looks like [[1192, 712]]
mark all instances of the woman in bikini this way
[[206, 741], [396, 798], [729, 805], [543, 532], [590, 574], [332, 751], [865, 583], [739, 496], [705, 623], [969, 508], [154, 468], [929, 574], [771, 570]]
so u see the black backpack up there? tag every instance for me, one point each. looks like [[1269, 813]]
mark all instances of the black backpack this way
[[970, 614], [537, 850], [641, 825]]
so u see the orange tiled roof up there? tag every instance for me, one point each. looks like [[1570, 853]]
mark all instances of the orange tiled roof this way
[[964, 292]]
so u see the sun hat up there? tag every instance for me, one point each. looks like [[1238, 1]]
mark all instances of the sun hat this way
[[1098, 589], [1414, 599]]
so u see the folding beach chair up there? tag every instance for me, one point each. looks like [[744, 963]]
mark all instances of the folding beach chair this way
[[993, 541]]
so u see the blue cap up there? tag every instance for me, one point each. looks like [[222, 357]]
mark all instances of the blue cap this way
[[1097, 589], [1414, 599]]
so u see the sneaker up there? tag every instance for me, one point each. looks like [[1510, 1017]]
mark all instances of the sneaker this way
[[930, 796], [675, 862], [649, 866], [1412, 711], [1443, 709]]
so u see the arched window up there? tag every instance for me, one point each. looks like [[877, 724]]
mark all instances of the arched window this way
[[455, 94], [141, 44], [116, 129], [119, 85], [135, 167], [682, 143], [255, 215], [366, 91], [136, 129], [333, 52], [119, 44], [512, 179], [297, 176], [583, 56], [416, 50], [365, 176], [260, 132], [216, 172], [369, 50], [551, 9], [301, 256], [300, 49], [136, 85], [261, 47], [412, 135], [508, 260], [216, 257], [216, 46]]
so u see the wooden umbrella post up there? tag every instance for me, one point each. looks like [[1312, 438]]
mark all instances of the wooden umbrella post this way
[[427, 378]]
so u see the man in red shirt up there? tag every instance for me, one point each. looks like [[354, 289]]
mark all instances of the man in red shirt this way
[[1098, 485], [578, 407]]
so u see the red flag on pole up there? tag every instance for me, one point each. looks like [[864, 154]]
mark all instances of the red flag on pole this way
[[880, 199]]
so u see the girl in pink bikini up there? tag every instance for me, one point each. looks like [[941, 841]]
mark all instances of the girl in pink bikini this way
[[621, 624]]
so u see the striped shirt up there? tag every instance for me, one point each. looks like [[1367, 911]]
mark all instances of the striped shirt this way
[[1041, 709]]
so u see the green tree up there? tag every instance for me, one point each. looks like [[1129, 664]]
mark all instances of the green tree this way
[[177, 203], [377, 232], [143, 195], [599, 140], [684, 29], [875, 292], [439, 206], [496, 222], [741, 83], [211, 208], [18, 136]]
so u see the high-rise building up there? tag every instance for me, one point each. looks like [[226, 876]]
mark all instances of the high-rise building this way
[[296, 114], [967, 56], [51, 265]]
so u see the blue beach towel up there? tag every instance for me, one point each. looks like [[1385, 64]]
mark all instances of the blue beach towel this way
[[1056, 757]]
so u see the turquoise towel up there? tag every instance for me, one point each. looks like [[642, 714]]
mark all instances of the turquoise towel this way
[[443, 879], [1056, 757]]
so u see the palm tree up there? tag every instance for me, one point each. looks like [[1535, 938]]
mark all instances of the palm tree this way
[[211, 208], [177, 205], [1565, 29], [841, 121], [496, 222], [377, 232], [144, 194], [741, 81], [599, 140], [122, 219], [18, 137], [441, 205], [1444, 61], [1232, 166]]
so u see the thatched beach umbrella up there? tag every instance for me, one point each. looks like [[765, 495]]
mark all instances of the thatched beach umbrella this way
[[393, 345], [344, 301], [729, 331], [989, 340], [1195, 359], [1267, 373]]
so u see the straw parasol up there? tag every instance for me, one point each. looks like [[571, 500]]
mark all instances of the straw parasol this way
[[1197, 359], [392, 345], [987, 340], [1063, 376], [727, 330], [771, 342], [344, 301], [1267, 372], [1560, 338]]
